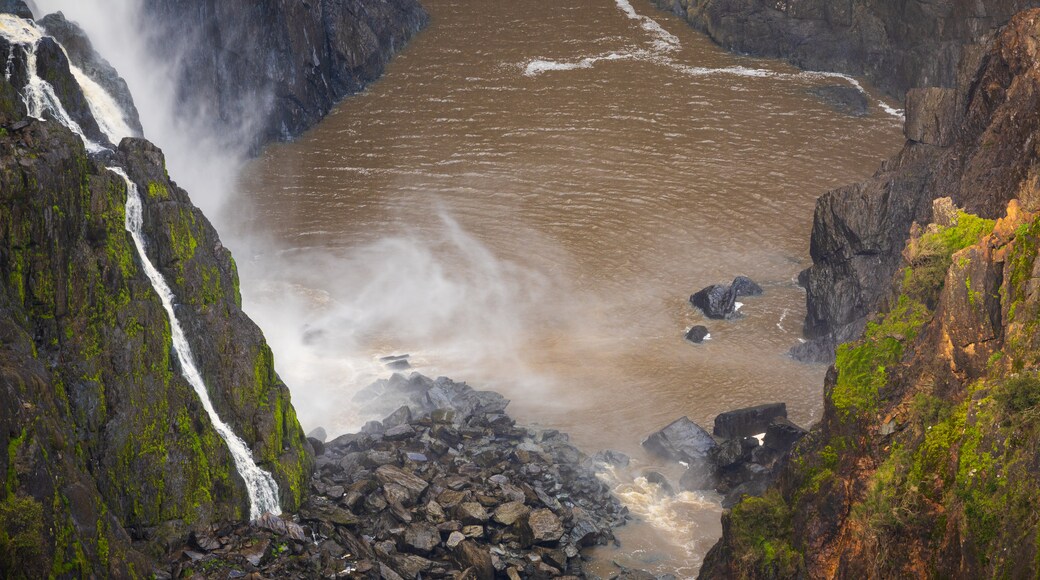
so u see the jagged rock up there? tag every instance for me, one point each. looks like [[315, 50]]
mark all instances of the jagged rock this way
[[681, 440], [421, 538], [716, 301], [510, 512], [782, 434], [931, 116], [542, 526], [454, 539], [744, 286], [469, 554], [16, 7], [399, 433], [747, 421], [471, 513], [697, 334], [413, 485], [316, 445], [401, 416]]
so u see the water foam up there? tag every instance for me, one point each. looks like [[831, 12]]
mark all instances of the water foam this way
[[262, 489], [106, 111]]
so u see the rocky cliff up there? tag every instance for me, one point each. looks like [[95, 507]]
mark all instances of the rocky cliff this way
[[109, 455], [267, 70], [924, 461], [896, 45]]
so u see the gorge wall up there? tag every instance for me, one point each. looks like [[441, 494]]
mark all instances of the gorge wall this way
[[921, 465], [896, 45], [265, 71]]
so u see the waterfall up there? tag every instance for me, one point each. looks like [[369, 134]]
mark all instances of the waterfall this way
[[105, 109], [263, 491], [39, 95]]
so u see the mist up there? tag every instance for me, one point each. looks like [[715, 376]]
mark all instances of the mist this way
[[329, 314]]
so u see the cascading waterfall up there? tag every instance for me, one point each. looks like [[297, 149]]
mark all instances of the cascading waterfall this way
[[40, 98], [263, 491]]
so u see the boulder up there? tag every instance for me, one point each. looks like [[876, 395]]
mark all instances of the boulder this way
[[471, 512], [697, 478], [420, 538], [402, 416], [470, 555], [511, 512], [782, 434], [681, 440], [697, 334], [319, 433], [390, 474], [744, 286], [748, 421], [716, 301], [542, 526], [657, 478]]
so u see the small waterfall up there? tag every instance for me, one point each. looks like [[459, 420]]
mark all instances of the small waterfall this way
[[105, 109], [39, 96], [263, 491]]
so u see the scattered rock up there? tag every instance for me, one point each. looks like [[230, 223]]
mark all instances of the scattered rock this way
[[716, 301], [542, 526], [697, 334]]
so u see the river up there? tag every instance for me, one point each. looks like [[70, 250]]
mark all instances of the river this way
[[525, 201]]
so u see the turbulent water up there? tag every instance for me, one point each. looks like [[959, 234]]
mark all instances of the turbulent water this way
[[526, 201]]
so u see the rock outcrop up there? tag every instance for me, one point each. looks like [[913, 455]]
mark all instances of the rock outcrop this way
[[896, 45], [267, 70], [922, 465], [110, 456], [971, 143]]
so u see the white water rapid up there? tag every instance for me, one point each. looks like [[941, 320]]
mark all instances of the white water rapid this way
[[263, 491]]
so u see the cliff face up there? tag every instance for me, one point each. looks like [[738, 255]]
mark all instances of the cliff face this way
[[109, 454], [924, 461], [267, 70], [897, 45]]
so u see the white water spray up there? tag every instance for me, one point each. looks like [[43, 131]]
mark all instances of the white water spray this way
[[263, 491]]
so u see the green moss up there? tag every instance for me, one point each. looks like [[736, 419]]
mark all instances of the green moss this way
[[930, 256], [760, 532], [158, 191], [862, 367], [21, 536], [13, 445]]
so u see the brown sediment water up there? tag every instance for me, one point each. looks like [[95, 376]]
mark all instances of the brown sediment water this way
[[525, 201]]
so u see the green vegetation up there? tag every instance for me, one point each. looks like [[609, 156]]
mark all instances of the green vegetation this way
[[21, 536], [932, 253], [761, 533]]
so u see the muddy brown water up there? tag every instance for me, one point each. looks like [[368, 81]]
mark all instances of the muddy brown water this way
[[525, 201]]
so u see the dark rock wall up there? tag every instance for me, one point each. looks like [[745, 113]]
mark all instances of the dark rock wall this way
[[267, 70], [106, 443], [897, 45], [923, 464], [972, 142]]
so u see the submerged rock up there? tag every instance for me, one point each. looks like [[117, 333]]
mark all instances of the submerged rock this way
[[845, 99], [697, 334], [716, 301]]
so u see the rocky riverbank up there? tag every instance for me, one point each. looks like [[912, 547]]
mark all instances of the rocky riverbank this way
[[447, 486]]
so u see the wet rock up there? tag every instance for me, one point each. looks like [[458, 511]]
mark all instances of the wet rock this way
[[281, 527], [748, 421], [744, 286], [782, 434], [657, 478], [681, 440], [697, 479], [697, 334], [844, 99], [716, 301], [613, 458], [16, 7]]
